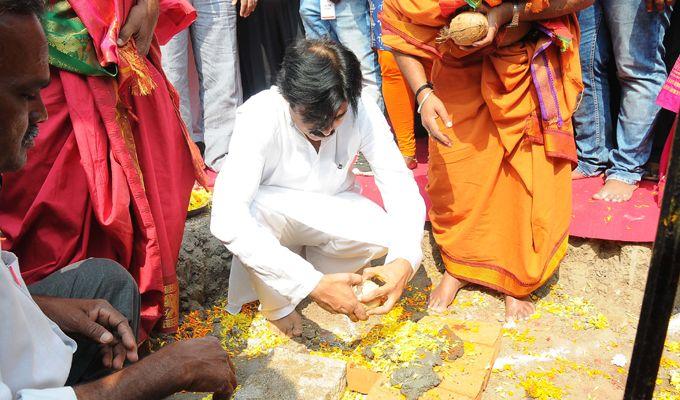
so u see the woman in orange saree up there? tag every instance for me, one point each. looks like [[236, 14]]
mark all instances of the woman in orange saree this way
[[112, 169], [501, 140]]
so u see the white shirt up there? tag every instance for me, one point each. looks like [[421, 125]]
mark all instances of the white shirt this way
[[267, 150], [35, 355]]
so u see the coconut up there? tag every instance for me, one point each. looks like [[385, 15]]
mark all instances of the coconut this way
[[465, 28], [365, 290]]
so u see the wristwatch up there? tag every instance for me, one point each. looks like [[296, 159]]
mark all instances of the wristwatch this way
[[515, 15]]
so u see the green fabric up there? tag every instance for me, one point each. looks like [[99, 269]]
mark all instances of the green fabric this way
[[474, 3], [70, 45]]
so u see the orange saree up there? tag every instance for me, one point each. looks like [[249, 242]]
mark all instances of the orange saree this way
[[501, 194]]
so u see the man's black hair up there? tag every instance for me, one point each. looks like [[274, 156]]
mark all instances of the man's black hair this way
[[316, 77], [22, 7]]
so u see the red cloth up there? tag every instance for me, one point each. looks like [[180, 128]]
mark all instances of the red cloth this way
[[669, 98], [175, 16], [96, 186]]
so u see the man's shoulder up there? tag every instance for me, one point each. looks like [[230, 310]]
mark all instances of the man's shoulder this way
[[262, 103], [261, 115], [368, 110], [368, 105]]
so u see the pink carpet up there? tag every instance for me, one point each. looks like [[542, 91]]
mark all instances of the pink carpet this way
[[632, 221]]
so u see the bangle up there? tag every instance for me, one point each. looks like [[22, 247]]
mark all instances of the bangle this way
[[515, 15], [420, 106], [427, 85]]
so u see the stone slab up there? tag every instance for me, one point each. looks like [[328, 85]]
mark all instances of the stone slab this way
[[287, 375], [335, 327]]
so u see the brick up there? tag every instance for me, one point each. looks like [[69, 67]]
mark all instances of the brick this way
[[469, 331], [441, 394], [456, 348], [383, 391], [288, 375], [360, 379], [469, 375]]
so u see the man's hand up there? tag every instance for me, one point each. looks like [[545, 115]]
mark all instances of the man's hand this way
[[395, 275], [658, 5], [335, 294], [140, 24], [247, 7], [206, 365], [96, 320], [197, 365]]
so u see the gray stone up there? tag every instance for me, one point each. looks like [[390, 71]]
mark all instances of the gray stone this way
[[287, 375], [415, 380], [429, 358], [368, 352], [187, 396], [202, 267]]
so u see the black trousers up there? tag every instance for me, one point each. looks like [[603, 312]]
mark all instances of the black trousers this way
[[262, 40]]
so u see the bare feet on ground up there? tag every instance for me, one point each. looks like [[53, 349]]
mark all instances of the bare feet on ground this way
[[615, 191], [443, 295], [576, 175], [518, 309], [411, 162], [290, 325]]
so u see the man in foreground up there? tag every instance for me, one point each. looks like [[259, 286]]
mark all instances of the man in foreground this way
[[285, 202], [37, 359], [111, 174]]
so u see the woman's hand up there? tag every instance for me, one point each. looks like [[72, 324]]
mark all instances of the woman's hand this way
[[432, 109], [497, 17]]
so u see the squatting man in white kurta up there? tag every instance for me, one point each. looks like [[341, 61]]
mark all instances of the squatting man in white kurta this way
[[286, 203]]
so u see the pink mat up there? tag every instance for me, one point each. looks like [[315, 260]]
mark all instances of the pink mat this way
[[632, 221]]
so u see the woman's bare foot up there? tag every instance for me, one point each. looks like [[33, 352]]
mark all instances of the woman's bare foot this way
[[290, 325], [518, 309], [443, 295], [411, 162], [615, 191]]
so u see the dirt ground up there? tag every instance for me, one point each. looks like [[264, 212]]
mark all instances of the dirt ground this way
[[576, 346]]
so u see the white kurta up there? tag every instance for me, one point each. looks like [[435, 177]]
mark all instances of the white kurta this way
[[35, 355], [274, 185]]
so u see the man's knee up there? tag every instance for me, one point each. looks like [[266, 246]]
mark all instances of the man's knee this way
[[109, 273], [113, 283]]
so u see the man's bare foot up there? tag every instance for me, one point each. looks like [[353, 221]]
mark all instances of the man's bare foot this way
[[411, 162], [615, 191], [443, 295], [518, 309], [576, 175], [290, 325]]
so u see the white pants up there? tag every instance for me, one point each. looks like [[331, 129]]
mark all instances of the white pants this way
[[358, 234], [213, 39]]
